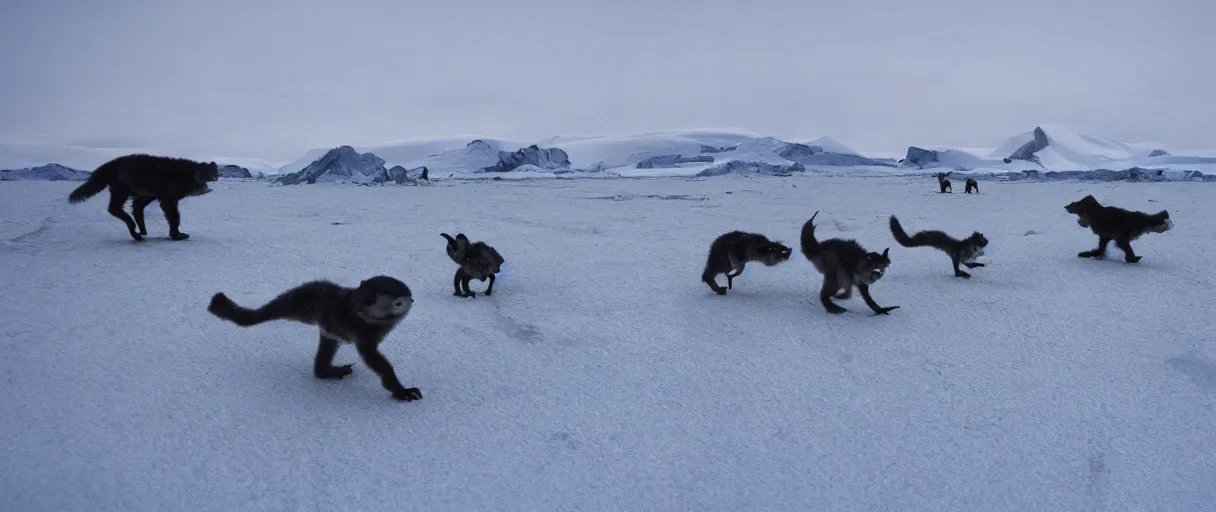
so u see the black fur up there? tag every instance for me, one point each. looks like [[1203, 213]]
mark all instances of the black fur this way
[[360, 316], [148, 178], [844, 264], [731, 252], [1113, 223], [477, 261], [972, 185], [961, 251], [943, 183]]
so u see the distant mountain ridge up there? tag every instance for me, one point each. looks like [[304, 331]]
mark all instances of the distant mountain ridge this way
[[1049, 147]]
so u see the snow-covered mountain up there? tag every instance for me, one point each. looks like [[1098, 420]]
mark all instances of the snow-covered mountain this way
[[1065, 147], [21, 156], [49, 172], [1051, 147]]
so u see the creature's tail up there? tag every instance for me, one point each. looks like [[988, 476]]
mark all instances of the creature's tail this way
[[936, 239], [810, 246], [1163, 222], [97, 182], [223, 307], [901, 236], [456, 247]]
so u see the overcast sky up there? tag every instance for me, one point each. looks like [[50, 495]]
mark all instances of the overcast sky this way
[[273, 78]]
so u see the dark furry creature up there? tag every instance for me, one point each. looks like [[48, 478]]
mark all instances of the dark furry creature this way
[[943, 183], [960, 251], [1113, 223], [972, 185], [732, 251], [360, 316], [844, 264], [477, 261], [148, 178]]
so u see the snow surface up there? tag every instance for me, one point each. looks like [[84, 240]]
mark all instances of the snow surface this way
[[602, 375]]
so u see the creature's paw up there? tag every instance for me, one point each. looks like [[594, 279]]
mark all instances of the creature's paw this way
[[962, 274], [137, 237], [886, 310], [1133, 259], [179, 236], [835, 310], [335, 372], [408, 395], [487, 293]]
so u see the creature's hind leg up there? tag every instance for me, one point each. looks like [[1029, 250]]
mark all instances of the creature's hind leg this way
[[1128, 254], [456, 280], [117, 200], [709, 278], [845, 293], [137, 210], [169, 206], [730, 278], [1096, 253], [490, 288], [957, 271], [464, 283], [323, 366], [830, 287]]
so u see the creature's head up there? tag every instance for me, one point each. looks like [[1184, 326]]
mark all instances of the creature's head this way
[[772, 253], [382, 299], [979, 241], [1081, 206], [873, 266], [209, 171], [1081, 209]]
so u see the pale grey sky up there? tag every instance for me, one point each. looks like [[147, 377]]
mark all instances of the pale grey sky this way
[[273, 78]]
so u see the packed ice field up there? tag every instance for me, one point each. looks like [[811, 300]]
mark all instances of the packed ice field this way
[[602, 374]]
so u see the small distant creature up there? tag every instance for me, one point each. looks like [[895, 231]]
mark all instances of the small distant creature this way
[[732, 251], [423, 179], [844, 264], [361, 316], [972, 185], [477, 261], [1113, 223], [943, 183], [148, 178], [963, 251]]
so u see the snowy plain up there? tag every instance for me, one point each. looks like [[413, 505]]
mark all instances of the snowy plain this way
[[602, 375]]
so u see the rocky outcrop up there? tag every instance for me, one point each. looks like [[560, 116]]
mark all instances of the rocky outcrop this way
[[234, 171], [1027, 151], [340, 165], [49, 172], [402, 176], [920, 157], [710, 149], [667, 161], [549, 159], [742, 167]]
